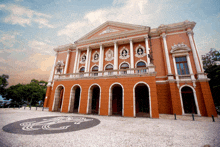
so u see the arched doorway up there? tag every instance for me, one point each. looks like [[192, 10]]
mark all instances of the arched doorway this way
[[58, 98], [188, 100], [116, 100], [75, 99], [142, 101], [93, 100]]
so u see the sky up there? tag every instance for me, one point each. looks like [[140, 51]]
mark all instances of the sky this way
[[30, 29]]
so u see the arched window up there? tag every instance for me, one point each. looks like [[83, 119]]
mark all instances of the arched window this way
[[109, 67], [81, 71], [141, 64], [95, 68], [124, 66]]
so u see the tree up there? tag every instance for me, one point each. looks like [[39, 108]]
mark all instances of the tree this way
[[213, 72], [214, 75], [29, 94], [210, 57], [3, 84]]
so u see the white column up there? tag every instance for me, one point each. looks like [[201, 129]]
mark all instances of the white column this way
[[190, 67], [76, 59], [52, 71], [176, 73], [77, 64], [195, 57], [166, 53], [147, 49], [115, 55], [87, 59], [100, 59], [67, 61], [131, 53]]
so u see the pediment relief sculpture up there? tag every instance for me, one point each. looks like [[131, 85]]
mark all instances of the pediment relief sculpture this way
[[108, 30]]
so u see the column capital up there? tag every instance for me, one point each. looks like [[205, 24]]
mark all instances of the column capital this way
[[88, 47], [115, 42], [190, 32], [146, 37], [100, 44], [130, 39], [68, 51], [163, 35]]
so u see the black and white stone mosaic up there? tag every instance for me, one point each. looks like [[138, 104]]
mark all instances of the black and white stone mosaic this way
[[50, 125]]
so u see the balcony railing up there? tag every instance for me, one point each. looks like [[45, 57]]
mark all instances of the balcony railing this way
[[108, 73]]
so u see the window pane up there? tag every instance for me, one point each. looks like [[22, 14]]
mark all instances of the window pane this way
[[124, 65], [82, 69], [141, 64], [178, 69], [95, 68], [186, 67], [182, 69], [109, 67]]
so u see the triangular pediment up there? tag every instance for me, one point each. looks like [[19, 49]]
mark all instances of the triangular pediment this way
[[109, 28]]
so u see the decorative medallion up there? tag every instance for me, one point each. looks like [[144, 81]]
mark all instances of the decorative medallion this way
[[124, 53], [59, 67], [51, 125], [95, 57], [109, 55], [140, 51], [83, 58]]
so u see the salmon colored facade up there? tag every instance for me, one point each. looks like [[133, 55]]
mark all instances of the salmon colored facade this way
[[131, 70]]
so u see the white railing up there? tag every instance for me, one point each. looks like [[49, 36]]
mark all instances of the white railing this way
[[119, 72]]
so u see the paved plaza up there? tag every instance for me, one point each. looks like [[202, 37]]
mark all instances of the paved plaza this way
[[37, 128]]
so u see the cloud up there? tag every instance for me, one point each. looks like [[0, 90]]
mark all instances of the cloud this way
[[128, 11], [40, 47], [25, 17]]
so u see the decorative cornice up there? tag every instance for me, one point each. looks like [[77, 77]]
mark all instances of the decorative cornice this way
[[179, 48]]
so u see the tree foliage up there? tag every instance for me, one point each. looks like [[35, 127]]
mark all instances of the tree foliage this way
[[29, 94], [214, 75], [3, 84], [209, 58], [213, 72]]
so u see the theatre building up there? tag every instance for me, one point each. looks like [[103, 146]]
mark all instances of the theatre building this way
[[131, 70]]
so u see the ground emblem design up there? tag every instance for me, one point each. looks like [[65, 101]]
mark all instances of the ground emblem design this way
[[50, 125]]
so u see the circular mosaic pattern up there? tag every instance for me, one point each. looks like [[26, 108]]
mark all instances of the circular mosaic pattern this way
[[50, 125]]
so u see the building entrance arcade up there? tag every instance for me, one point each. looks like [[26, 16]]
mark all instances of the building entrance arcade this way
[[75, 99], [58, 98], [188, 100], [93, 100], [116, 100], [142, 104]]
